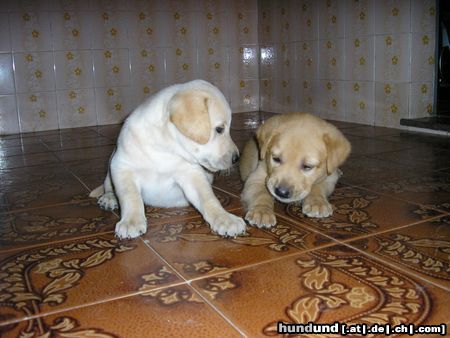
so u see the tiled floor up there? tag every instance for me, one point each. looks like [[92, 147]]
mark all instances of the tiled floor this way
[[383, 257]]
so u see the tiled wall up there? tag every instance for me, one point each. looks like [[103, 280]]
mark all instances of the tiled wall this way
[[366, 61], [72, 63]]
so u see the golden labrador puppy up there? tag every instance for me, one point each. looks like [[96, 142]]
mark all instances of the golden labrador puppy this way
[[295, 157], [166, 153]]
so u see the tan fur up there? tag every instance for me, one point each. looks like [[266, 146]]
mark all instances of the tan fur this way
[[189, 113], [300, 141]]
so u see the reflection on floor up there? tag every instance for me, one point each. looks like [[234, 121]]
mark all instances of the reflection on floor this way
[[383, 257]]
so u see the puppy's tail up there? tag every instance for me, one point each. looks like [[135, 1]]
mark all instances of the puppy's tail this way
[[97, 192], [249, 159]]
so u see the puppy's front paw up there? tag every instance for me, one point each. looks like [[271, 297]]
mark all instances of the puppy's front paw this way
[[108, 201], [229, 225], [261, 217], [131, 228], [317, 207]]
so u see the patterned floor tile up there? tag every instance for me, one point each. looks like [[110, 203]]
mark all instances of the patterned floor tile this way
[[423, 249], [360, 212], [430, 189], [37, 226], [173, 312], [335, 284], [54, 189], [69, 274], [195, 251]]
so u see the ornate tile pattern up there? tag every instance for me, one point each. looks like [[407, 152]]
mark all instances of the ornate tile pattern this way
[[382, 258]]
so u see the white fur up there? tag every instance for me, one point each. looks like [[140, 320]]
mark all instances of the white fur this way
[[155, 164]]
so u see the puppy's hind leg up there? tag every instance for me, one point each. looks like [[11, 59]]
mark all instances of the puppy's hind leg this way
[[107, 200], [132, 222]]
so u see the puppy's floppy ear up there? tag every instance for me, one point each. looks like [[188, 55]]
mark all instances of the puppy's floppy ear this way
[[265, 135], [338, 148], [189, 112]]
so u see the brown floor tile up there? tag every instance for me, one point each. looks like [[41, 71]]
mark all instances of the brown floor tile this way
[[18, 141], [362, 146], [425, 157], [110, 131], [195, 251], [56, 189], [359, 212], [27, 175], [431, 189], [229, 181], [422, 249], [67, 135], [85, 153], [325, 286], [37, 226], [371, 131], [17, 161], [345, 125], [173, 312], [79, 143], [61, 276], [92, 173], [418, 139], [362, 170], [32, 148]]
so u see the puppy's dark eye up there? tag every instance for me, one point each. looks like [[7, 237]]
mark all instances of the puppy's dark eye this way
[[276, 159], [306, 167], [220, 130]]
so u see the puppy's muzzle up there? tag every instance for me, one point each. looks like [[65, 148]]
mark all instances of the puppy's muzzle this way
[[283, 191]]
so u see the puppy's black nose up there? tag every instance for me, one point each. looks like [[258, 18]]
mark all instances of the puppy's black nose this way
[[282, 192], [235, 157]]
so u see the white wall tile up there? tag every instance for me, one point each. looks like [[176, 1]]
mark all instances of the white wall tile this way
[[392, 57], [391, 103], [360, 58], [421, 102], [423, 16], [6, 74], [113, 104], [214, 64], [422, 57], [392, 16], [71, 30], [5, 43], [332, 55], [109, 29], [34, 71], [331, 19], [111, 67], [244, 95], [181, 64], [37, 111], [74, 69], [76, 108], [360, 102], [360, 18], [147, 66], [9, 120], [30, 31], [307, 59], [244, 61]]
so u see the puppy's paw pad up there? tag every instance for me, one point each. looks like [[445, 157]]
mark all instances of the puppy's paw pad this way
[[130, 228], [261, 217], [318, 208], [228, 225], [108, 201]]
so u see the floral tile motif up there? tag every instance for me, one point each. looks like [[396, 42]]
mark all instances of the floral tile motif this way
[[422, 249], [358, 212], [50, 190], [63, 275], [431, 190], [36, 226], [185, 242], [135, 316], [335, 284]]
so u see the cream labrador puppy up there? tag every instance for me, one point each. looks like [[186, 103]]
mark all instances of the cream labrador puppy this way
[[166, 153], [295, 157]]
